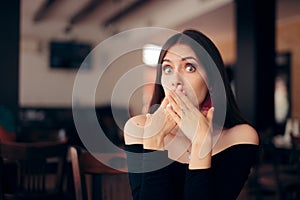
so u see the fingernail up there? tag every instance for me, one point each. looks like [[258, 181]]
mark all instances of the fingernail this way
[[169, 105]]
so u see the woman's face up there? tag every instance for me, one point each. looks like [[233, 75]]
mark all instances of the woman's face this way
[[181, 66]]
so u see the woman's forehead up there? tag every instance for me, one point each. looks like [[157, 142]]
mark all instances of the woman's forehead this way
[[180, 51]]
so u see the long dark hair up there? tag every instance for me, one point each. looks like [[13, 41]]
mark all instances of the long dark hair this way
[[203, 47]]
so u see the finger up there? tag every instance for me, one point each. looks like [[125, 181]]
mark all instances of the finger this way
[[204, 112], [164, 102], [174, 116], [173, 105], [183, 97], [176, 99], [210, 114], [175, 129], [179, 106]]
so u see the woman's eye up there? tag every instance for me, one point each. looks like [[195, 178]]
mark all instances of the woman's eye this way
[[190, 68], [167, 69]]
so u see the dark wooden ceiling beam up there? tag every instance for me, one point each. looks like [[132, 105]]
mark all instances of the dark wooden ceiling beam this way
[[43, 10], [85, 11], [122, 13]]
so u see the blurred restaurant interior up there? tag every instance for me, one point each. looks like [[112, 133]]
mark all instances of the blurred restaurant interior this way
[[46, 43]]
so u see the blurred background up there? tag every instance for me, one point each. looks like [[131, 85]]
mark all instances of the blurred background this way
[[51, 32], [44, 43], [55, 37]]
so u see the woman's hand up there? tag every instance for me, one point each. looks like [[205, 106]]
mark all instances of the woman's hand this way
[[197, 126], [191, 121], [157, 126]]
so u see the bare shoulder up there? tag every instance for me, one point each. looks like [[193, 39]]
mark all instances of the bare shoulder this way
[[134, 129], [244, 133], [135, 123], [239, 134], [138, 120]]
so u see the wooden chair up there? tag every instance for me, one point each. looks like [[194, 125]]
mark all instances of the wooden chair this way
[[37, 166], [83, 163]]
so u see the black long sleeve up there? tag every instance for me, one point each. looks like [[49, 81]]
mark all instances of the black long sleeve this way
[[198, 183], [134, 163], [164, 183]]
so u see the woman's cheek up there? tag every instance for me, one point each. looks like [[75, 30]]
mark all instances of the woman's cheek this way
[[166, 84], [166, 92], [190, 93]]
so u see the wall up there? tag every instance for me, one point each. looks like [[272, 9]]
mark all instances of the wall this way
[[227, 49], [41, 86]]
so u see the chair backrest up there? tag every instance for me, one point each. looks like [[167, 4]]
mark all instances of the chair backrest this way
[[85, 163], [77, 176], [34, 162]]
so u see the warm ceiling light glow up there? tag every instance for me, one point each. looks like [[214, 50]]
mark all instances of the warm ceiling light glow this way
[[151, 54]]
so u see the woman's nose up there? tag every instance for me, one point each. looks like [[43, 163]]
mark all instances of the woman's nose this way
[[176, 84], [176, 81]]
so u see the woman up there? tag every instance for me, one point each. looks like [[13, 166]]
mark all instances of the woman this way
[[215, 156]]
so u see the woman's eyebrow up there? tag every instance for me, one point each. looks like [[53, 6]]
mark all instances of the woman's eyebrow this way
[[166, 60], [189, 57], [182, 59]]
